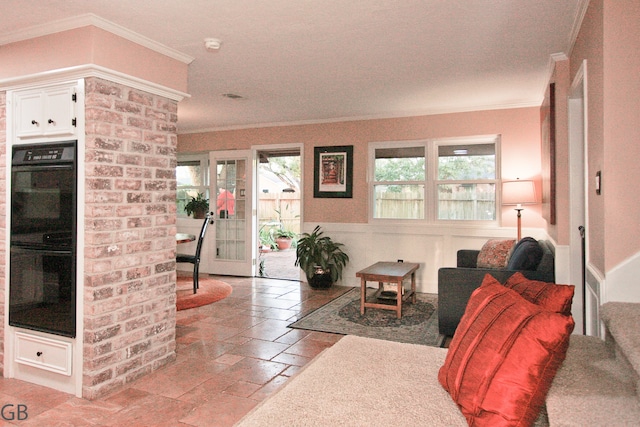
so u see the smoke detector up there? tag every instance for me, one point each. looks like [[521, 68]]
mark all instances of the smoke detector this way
[[212, 44]]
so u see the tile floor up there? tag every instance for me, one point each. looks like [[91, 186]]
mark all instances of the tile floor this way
[[230, 356]]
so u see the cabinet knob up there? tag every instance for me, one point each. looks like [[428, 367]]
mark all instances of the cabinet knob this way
[[33, 122], [50, 121], [39, 354]]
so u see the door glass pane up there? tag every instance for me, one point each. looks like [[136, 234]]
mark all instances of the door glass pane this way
[[231, 209]]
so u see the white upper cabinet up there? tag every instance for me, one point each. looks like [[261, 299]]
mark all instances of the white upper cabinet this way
[[45, 112]]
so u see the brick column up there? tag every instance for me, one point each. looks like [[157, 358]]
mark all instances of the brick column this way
[[130, 226], [3, 225]]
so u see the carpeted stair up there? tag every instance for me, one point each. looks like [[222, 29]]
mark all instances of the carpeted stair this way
[[363, 381], [599, 381]]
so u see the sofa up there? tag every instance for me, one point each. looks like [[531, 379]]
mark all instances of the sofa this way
[[455, 284], [364, 381]]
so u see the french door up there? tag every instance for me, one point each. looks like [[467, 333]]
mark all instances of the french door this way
[[232, 243]]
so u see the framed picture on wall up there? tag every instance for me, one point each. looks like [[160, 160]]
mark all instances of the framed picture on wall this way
[[333, 171], [548, 133]]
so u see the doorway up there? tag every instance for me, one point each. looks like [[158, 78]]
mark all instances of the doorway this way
[[279, 210], [588, 298], [230, 246]]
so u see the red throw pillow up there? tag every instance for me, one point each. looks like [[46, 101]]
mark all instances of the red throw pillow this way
[[503, 357], [495, 253], [550, 296]]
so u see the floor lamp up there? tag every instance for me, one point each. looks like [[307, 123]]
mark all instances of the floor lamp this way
[[519, 192]]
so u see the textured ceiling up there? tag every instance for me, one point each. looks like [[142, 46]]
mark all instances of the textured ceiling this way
[[304, 61]]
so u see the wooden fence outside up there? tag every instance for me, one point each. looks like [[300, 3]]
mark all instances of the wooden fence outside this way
[[288, 204], [394, 205], [455, 207]]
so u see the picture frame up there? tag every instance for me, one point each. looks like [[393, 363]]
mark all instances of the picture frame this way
[[333, 172], [548, 133]]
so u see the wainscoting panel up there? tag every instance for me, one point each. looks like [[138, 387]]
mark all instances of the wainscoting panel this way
[[432, 246], [594, 285]]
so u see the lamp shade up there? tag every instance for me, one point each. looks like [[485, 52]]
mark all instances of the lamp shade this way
[[520, 192]]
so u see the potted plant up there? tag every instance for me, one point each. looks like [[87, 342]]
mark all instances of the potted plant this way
[[284, 238], [267, 241], [198, 206], [321, 259]]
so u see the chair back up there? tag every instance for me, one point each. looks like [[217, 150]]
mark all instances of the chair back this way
[[203, 231]]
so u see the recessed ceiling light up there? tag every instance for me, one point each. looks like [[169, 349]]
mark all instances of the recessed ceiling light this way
[[232, 96]]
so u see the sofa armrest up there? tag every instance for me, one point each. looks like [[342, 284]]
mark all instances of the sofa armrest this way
[[455, 286], [467, 258]]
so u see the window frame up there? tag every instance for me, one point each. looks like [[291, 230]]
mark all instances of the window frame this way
[[203, 159], [372, 182], [431, 181]]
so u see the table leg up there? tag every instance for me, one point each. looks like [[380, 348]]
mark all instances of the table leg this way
[[413, 287], [399, 299], [363, 293]]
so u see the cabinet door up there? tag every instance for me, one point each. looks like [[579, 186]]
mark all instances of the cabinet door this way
[[45, 112], [29, 108], [59, 111]]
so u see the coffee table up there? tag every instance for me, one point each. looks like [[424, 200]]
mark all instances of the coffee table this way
[[389, 272]]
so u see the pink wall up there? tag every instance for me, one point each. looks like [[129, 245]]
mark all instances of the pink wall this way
[[560, 231], [609, 40], [621, 174], [589, 46], [521, 151], [91, 45]]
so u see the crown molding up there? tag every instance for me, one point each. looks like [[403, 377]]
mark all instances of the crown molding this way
[[90, 70], [96, 21], [398, 115], [577, 23]]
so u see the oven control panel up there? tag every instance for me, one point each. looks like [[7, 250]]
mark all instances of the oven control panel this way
[[48, 154]]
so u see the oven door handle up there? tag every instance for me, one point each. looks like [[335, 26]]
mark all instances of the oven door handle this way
[[39, 250]]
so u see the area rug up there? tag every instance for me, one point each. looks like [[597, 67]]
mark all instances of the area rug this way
[[209, 292], [418, 325]]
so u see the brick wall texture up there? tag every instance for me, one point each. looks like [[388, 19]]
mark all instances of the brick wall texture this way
[[130, 226], [3, 226]]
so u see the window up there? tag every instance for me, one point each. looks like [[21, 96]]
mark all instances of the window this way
[[457, 183], [399, 182], [466, 182], [192, 176]]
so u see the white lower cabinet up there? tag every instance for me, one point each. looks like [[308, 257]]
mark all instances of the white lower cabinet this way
[[43, 353]]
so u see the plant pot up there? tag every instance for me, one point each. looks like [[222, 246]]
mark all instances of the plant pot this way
[[199, 213], [264, 249], [283, 243], [321, 279]]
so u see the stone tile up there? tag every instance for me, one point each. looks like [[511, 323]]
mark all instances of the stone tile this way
[[259, 349], [225, 412], [308, 348], [221, 372], [281, 314], [291, 359], [76, 412], [242, 389], [270, 330], [292, 336], [269, 388], [153, 410], [255, 370]]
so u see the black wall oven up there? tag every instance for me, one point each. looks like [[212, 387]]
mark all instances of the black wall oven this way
[[42, 288]]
